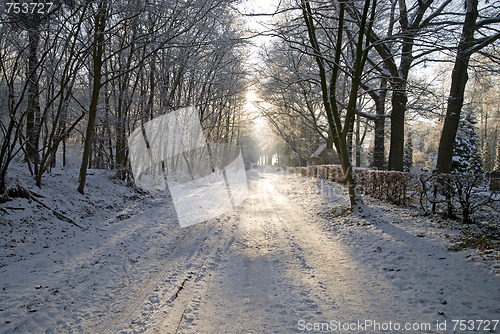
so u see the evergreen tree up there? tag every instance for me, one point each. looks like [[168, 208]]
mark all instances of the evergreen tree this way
[[466, 152], [408, 154], [487, 157]]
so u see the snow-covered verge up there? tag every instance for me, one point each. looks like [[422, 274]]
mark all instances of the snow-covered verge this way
[[28, 227], [54, 274], [478, 242]]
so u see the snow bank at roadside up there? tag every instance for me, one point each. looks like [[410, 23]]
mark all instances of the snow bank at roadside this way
[[57, 277], [411, 251], [329, 200], [27, 227]]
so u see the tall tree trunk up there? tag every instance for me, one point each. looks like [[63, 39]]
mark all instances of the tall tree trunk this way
[[410, 30], [97, 55], [459, 79], [399, 105], [358, 142], [379, 141], [350, 137], [120, 137], [33, 111], [9, 137], [64, 152], [399, 101]]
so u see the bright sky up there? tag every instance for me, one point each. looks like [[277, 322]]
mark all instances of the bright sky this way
[[257, 24], [261, 127]]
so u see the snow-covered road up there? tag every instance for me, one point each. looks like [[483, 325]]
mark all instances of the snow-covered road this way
[[271, 266]]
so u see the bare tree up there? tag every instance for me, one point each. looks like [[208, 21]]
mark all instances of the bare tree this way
[[66, 56], [489, 33], [100, 20], [11, 65], [339, 129]]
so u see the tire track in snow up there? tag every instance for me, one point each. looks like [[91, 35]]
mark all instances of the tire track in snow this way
[[172, 288], [184, 307], [173, 272]]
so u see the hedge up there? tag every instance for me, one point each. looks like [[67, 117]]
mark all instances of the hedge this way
[[445, 193]]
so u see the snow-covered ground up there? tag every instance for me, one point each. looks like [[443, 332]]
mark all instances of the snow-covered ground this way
[[290, 259]]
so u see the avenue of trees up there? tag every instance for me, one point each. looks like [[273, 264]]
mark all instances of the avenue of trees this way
[[389, 84]]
